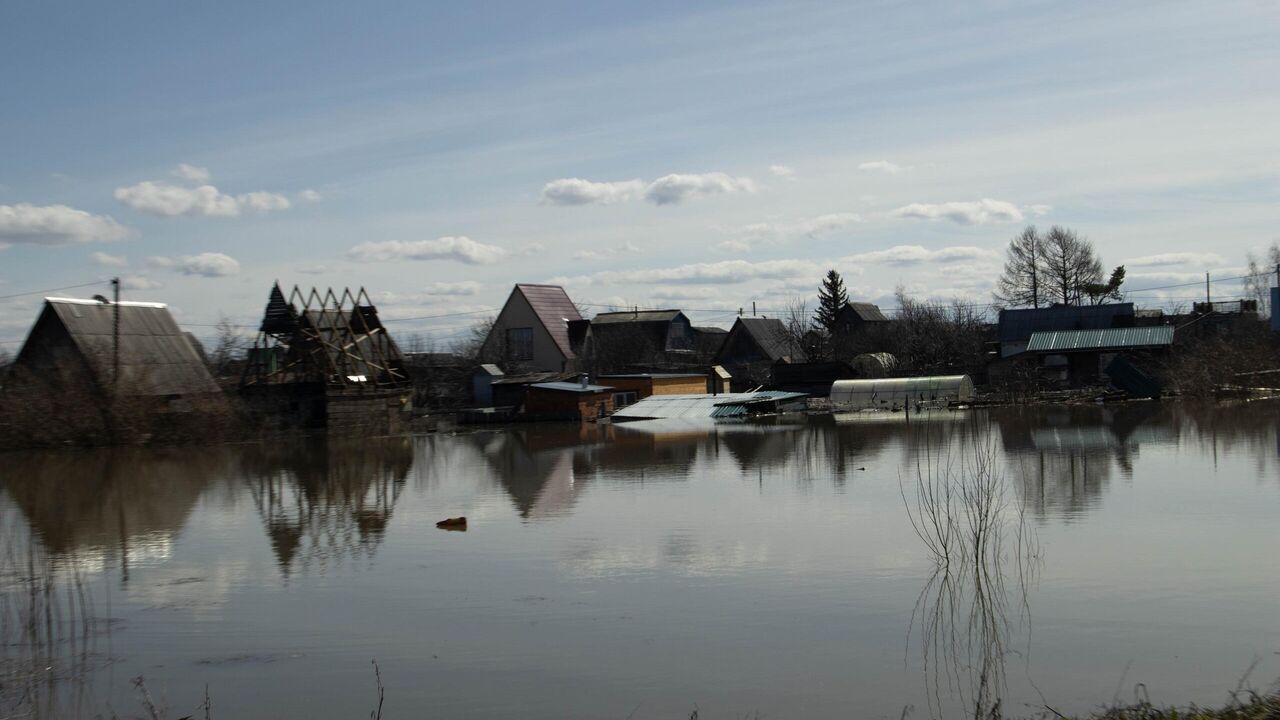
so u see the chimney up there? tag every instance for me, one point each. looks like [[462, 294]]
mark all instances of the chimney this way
[[583, 378]]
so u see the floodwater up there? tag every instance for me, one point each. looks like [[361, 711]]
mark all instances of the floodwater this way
[[791, 568]]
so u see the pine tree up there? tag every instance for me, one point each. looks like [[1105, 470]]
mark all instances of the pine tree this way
[[831, 298]]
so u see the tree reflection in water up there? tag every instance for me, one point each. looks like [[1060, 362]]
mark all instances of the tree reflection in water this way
[[325, 500], [984, 555]]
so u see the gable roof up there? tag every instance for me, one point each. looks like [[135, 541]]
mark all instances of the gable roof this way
[[640, 316], [156, 356], [553, 307], [770, 335], [1016, 325], [867, 312]]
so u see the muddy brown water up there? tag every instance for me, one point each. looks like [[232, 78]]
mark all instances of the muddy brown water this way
[[650, 569]]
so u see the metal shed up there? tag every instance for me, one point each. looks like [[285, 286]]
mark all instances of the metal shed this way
[[897, 393]]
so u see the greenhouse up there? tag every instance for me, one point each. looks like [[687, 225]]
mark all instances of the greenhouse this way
[[897, 393]]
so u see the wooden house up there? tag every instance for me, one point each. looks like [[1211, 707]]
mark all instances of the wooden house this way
[[531, 333]]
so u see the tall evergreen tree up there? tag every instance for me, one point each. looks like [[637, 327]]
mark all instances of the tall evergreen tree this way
[[831, 297]]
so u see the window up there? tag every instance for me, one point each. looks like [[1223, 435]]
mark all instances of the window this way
[[623, 399], [520, 344]]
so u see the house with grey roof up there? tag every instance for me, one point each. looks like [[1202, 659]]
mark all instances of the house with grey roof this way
[[531, 333], [753, 346], [638, 340], [134, 348]]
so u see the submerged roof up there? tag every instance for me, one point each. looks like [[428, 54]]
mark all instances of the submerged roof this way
[[1109, 339], [156, 356], [554, 309], [697, 406]]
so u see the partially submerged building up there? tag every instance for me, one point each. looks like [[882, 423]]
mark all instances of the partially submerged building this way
[[1016, 326], [1080, 358], [581, 400], [531, 333], [326, 362], [901, 393], [636, 386], [135, 349]]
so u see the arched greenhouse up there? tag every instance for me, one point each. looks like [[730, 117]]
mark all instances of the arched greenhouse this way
[[897, 393]]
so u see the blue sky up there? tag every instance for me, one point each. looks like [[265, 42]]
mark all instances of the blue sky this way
[[654, 153]]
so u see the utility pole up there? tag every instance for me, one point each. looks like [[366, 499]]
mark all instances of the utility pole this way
[[1207, 298], [115, 336], [753, 308]]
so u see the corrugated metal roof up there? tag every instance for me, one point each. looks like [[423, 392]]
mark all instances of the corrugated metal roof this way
[[700, 406], [571, 387], [1108, 339], [156, 357], [553, 307], [1016, 325]]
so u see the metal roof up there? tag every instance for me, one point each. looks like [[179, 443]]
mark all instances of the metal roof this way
[[637, 376], [635, 316], [1109, 339], [554, 308], [698, 406], [571, 387], [1016, 325], [156, 356]]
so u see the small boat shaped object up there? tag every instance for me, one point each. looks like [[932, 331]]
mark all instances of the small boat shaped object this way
[[458, 523]]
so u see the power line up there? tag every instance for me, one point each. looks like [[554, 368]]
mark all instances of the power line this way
[[49, 290]]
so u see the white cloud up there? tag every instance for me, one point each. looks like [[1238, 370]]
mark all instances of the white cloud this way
[[310, 196], [576, 191], [884, 166], [757, 233], [466, 287], [263, 201], [192, 173], [676, 188], [681, 294], [55, 225], [210, 264], [625, 248], [167, 200], [981, 212], [1040, 209], [782, 171], [1175, 258], [461, 249], [666, 190], [105, 260], [734, 245], [723, 272], [916, 255], [139, 282]]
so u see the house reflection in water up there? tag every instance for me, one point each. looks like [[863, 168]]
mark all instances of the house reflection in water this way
[[324, 500], [113, 506]]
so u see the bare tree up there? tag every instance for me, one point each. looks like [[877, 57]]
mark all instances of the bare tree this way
[[1070, 266], [228, 347], [471, 344], [1257, 284], [1022, 282], [801, 338]]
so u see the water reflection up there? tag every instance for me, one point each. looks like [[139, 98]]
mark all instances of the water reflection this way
[[984, 556], [111, 506], [323, 500]]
